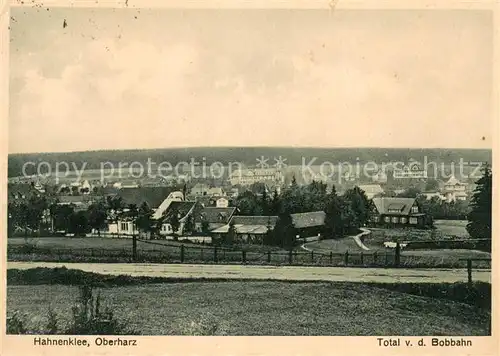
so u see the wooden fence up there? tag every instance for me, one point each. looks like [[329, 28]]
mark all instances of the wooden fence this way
[[167, 252]]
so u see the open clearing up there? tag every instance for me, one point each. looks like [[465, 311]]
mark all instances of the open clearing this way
[[260, 308]]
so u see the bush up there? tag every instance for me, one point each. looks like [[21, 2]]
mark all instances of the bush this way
[[88, 318], [15, 324]]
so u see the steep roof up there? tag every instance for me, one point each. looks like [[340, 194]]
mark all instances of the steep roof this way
[[310, 219], [153, 196], [180, 207], [454, 181], [403, 205], [249, 224], [215, 215]]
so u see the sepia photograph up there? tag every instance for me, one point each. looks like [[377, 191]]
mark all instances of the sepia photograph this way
[[226, 171]]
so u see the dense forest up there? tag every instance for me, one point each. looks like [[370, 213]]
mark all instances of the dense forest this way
[[246, 156]]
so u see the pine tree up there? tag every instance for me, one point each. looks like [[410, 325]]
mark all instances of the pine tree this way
[[479, 225]]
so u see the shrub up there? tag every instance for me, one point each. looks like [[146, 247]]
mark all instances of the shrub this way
[[52, 327], [15, 324], [89, 319]]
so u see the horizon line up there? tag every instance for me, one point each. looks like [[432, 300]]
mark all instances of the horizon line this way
[[251, 147]]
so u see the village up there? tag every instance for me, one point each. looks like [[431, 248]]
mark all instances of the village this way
[[248, 205]]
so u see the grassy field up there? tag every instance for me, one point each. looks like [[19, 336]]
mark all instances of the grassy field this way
[[260, 308], [455, 228], [120, 250]]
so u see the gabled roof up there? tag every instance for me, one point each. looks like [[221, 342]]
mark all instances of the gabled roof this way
[[454, 181], [249, 224], [310, 219], [215, 215], [403, 205], [254, 220], [153, 196], [180, 207]]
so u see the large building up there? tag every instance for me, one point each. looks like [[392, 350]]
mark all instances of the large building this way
[[256, 175], [454, 190], [413, 170]]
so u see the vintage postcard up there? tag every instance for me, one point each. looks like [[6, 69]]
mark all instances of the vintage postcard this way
[[233, 178]]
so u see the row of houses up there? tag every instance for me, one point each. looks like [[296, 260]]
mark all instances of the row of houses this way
[[214, 215]]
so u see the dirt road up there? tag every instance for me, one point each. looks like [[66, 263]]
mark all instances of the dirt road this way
[[352, 274]]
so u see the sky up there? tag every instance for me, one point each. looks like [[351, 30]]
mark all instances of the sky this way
[[138, 78]]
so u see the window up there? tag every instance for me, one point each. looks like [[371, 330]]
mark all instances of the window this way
[[395, 220], [413, 221], [387, 219], [124, 226], [414, 209], [404, 220]]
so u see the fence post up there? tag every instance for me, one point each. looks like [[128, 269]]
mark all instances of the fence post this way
[[269, 256], [331, 257], [182, 253], [386, 258], [397, 254], [201, 253], [290, 257], [215, 254], [361, 258], [346, 258], [312, 256], [375, 258], [244, 256], [134, 248], [469, 271], [224, 254]]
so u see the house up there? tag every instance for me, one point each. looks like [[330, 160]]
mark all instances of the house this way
[[412, 170], [251, 229], [157, 198], [22, 191], [380, 177], [371, 190], [183, 209], [203, 200], [398, 212], [200, 189], [86, 187], [215, 192], [222, 202], [79, 202], [213, 218], [308, 224], [454, 190], [39, 187], [126, 184]]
